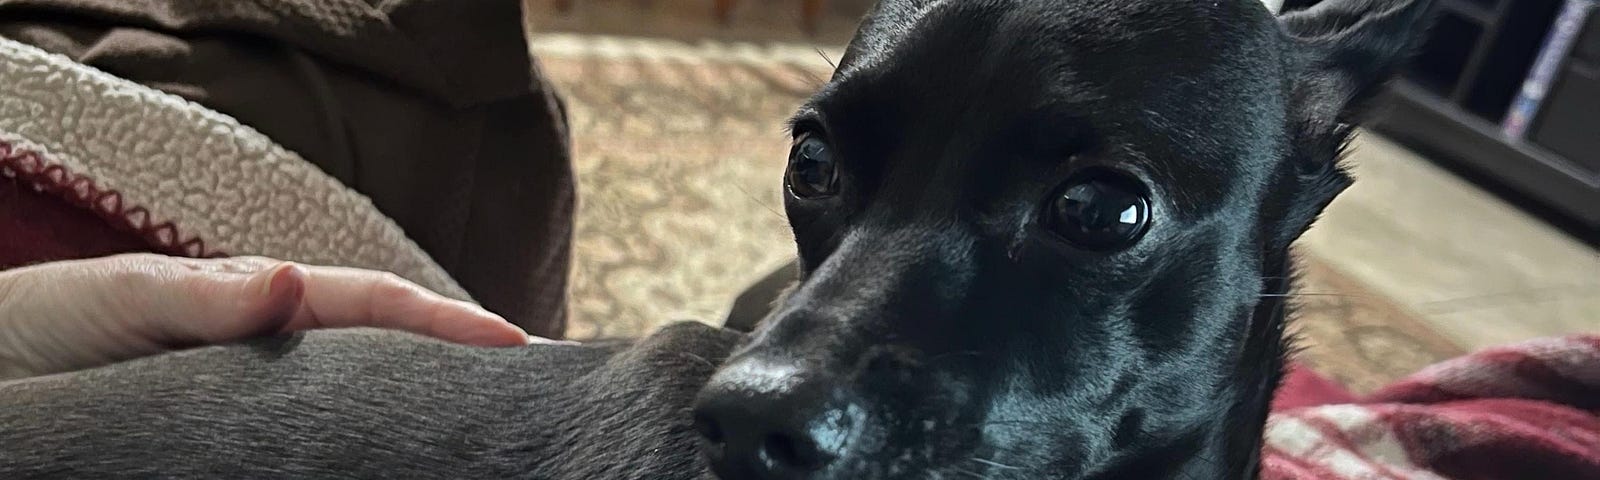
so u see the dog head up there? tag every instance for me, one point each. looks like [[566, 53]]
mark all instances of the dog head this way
[[1049, 239]]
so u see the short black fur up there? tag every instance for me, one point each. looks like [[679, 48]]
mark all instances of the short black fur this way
[[939, 329]]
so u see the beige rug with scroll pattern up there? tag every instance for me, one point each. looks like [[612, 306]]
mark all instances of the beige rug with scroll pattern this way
[[680, 146]]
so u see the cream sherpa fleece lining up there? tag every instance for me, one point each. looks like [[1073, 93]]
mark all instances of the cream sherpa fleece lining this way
[[213, 178]]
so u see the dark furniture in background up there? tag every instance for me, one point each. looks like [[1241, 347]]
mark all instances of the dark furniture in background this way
[[810, 11], [1451, 100]]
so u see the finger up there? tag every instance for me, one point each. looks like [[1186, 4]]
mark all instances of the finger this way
[[224, 300], [208, 302], [240, 265], [343, 297]]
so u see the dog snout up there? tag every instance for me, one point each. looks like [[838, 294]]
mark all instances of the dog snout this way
[[761, 420]]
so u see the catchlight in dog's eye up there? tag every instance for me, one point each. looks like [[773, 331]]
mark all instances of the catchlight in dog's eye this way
[[1099, 210], [812, 172]]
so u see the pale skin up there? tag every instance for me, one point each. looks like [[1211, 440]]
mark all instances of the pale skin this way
[[65, 316]]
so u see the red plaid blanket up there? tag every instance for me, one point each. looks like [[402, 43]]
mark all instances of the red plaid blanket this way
[[1525, 412]]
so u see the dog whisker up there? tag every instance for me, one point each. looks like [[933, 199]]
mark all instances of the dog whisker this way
[[1490, 300], [806, 75], [1312, 294], [758, 201], [995, 464], [825, 58]]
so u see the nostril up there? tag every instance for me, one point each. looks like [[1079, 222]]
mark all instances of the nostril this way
[[754, 426], [708, 428], [790, 453], [780, 449]]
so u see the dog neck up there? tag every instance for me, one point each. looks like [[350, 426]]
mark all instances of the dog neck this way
[[1262, 358]]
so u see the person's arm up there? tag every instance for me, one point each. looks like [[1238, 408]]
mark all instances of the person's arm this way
[[64, 316]]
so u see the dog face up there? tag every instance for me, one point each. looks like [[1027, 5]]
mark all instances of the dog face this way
[[1048, 239]]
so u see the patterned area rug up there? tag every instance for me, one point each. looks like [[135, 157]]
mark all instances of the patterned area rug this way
[[680, 147]]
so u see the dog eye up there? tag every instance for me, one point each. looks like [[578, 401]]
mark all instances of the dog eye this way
[[812, 171], [1099, 210]]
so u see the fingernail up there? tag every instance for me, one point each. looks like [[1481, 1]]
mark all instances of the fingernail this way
[[483, 311], [533, 340], [494, 338]]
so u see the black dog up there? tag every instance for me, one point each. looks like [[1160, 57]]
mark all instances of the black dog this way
[[1038, 239]]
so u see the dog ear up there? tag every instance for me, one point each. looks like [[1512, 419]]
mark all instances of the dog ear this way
[[1350, 48], [1344, 50]]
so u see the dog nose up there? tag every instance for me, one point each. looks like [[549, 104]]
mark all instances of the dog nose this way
[[757, 439], [756, 428]]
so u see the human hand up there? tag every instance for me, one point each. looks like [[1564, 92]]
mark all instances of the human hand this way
[[65, 316]]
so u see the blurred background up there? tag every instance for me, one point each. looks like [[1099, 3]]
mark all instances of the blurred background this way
[[1473, 221]]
